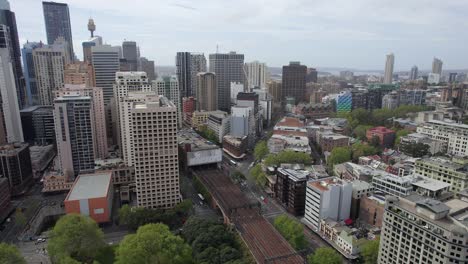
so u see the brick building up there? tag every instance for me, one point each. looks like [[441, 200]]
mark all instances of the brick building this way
[[290, 190], [386, 136]]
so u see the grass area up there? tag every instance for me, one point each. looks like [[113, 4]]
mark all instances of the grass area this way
[[106, 255]]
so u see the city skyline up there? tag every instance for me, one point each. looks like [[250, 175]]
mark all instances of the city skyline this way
[[166, 27]]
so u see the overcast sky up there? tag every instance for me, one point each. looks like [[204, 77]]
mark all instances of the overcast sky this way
[[319, 33]]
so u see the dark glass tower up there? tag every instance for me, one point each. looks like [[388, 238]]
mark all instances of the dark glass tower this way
[[10, 40], [57, 22]]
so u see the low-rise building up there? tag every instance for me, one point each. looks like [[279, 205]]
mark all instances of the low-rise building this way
[[313, 111], [453, 172], [417, 229], [122, 175], [91, 195], [371, 210], [188, 107], [195, 151], [329, 140], [235, 146], [453, 134], [290, 189], [435, 145], [220, 123], [342, 238], [327, 199], [53, 182], [199, 118], [386, 136]]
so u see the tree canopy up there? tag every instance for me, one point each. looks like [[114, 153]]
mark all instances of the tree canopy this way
[[415, 150], [401, 133], [261, 150], [339, 155], [324, 255], [360, 131], [9, 254], [292, 231], [258, 175], [370, 251], [77, 237], [153, 243], [288, 156], [359, 150], [212, 243], [207, 133]]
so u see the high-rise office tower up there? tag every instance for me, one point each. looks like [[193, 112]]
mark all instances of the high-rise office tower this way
[[168, 86], [274, 89], [49, 66], [154, 125], [188, 65], [125, 83], [294, 81], [312, 75], [98, 112], [38, 125], [15, 166], [257, 74], [388, 75], [130, 53], [79, 73], [9, 39], [105, 59], [10, 120], [87, 45], [437, 66], [32, 93], [206, 91], [74, 134], [228, 67], [414, 73], [418, 229], [57, 22], [148, 67]]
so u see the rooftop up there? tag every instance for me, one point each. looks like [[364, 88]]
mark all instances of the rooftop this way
[[88, 186], [431, 184], [289, 122], [295, 175], [323, 184], [381, 129], [197, 142]]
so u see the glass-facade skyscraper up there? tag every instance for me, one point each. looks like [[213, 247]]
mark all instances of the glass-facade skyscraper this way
[[57, 22]]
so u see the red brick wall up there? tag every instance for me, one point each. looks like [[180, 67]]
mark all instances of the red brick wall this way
[[371, 212], [97, 203]]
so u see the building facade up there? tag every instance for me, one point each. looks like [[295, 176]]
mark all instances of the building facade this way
[[57, 22], [388, 75], [294, 81], [290, 190], [188, 65], [38, 125], [105, 60], [15, 166], [257, 74], [206, 91]]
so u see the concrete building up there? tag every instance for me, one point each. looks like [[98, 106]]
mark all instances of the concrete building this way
[[148, 67], [293, 133], [327, 199], [168, 86], [371, 210], [49, 66], [275, 89], [257, 74], [38, 125], [290, 189], [390, 101], [188, 65], [122, 175], [388, 75], [41, 158], [156, 173], [235, 146], [228, 68], [15, 166], [55, 183], [414, 73], [433, 78], [206, 92], [386, 136], [435, 145], [199, 118], [314, 110], [87, 46], [455, 135], [312, 75], [9, 40], [453, 172], [328, 141], [5, 199], [242, 118], [32, 93], [236, 88], [79, 73], [220, 123], [294, 81], [251, 100], [92, 195], [74, 117], [412, 97], [57, 23], [10, 122], [99, 116], [196, 151], [420, 230], [437, 66], [130, 53], [105, 60]]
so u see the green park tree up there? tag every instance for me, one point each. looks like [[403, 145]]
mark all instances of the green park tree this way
[[359, 150], [258, 175], [153, 243], [339, 155], [360, 131], [324, 255], [415, 150], [261, 150], [399, 134], [9, 254], [288, 156], [75, 236], [291, 230], [370, 251]]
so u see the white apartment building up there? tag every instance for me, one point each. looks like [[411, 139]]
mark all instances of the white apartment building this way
[[257, 74], [154, 126], [9, 98], [416, 229], [168, 86], [99, 115], [236, 87], [49, 66], [328, 198], [220, 123], [242, 121], [456, 135]]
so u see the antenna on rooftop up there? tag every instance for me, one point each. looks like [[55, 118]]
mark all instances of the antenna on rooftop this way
[[217, 48]]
